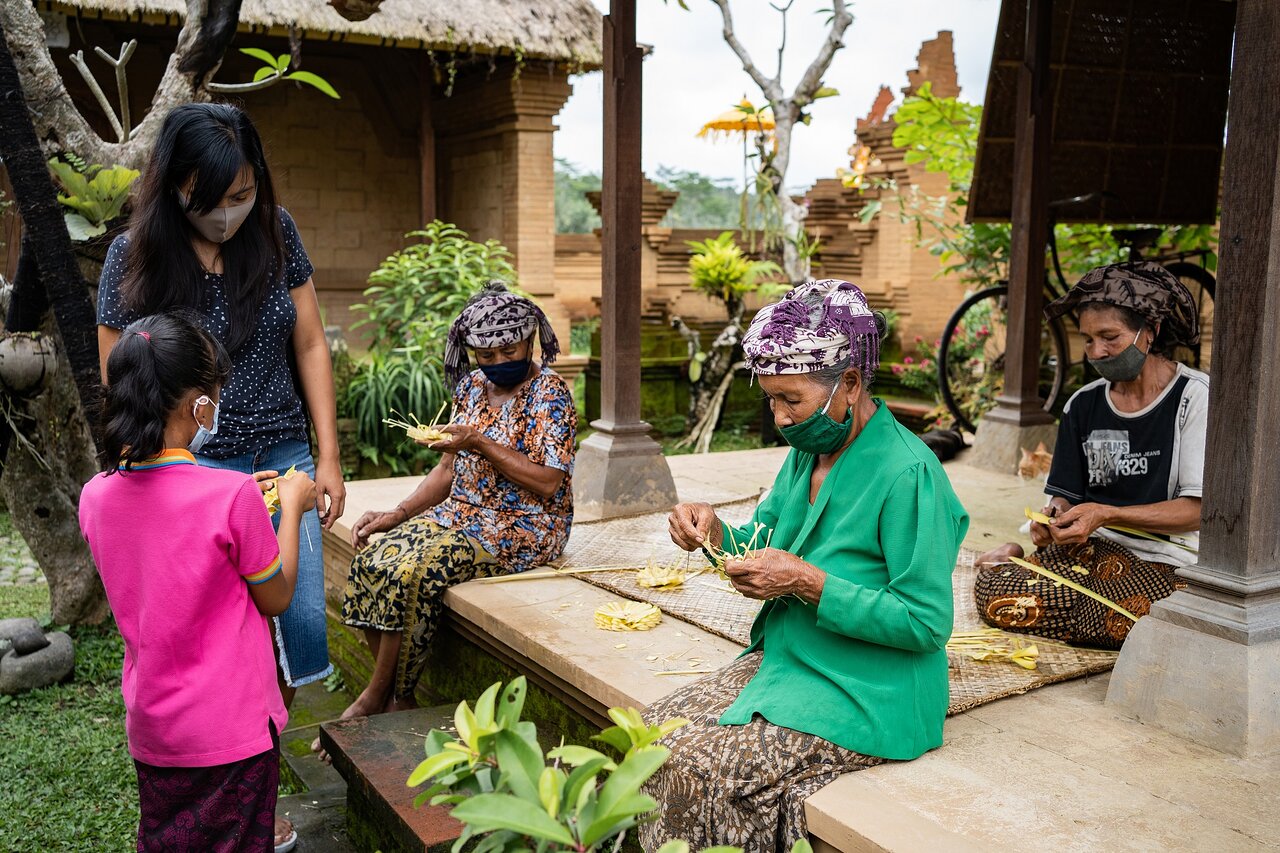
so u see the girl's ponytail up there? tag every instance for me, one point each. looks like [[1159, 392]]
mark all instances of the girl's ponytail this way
[[157, 360]]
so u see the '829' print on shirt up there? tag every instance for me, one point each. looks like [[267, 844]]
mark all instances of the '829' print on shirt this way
[[1108, 457]]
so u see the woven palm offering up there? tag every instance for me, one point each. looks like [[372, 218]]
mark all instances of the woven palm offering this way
[[658, 576], [627, 616], [419, 431], [272, 495]]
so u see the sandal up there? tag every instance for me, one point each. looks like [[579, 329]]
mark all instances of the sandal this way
[[290, 841]]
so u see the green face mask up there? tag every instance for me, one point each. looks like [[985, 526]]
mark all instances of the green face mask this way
[[819, 433]]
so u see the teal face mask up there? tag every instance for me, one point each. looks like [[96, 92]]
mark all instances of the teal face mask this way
[[819, 433]]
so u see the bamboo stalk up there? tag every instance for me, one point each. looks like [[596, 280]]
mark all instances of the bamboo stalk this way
[[556, 573], [1054, 576], [1142, 534]]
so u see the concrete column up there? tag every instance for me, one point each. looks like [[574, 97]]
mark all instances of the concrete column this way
[[1205, 664]]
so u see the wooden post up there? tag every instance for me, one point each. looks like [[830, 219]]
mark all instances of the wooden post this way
[[427, 147], [620, 469], [1206, 662], [1019, 419]]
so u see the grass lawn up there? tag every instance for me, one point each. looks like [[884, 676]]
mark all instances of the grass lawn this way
[[69, 780]]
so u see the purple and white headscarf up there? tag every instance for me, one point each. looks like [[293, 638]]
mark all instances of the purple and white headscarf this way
[[496, 317], [817, 325]]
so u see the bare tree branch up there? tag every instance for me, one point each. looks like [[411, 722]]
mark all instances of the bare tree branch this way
[[77, 59], [121, 66], [241, 88], [782, 44], [772, 88], [812, 79]]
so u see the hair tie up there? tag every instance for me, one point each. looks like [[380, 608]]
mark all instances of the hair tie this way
[[146, 336]]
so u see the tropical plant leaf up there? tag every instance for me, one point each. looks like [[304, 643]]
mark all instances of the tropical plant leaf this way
[[485, 812], [521, 761], [82, 229], [259, 54], [314, 80], [432, 766], [264, 72], [511, 703]]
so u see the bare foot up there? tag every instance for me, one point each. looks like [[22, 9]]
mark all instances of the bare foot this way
[[998, 556], [283, 829]]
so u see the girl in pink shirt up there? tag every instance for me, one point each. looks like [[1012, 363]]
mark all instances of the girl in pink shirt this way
[[192, 569]]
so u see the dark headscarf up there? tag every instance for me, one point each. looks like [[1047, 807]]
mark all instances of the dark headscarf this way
[[1147, 289], [496, 317]]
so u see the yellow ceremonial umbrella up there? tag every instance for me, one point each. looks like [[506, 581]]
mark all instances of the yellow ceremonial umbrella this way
[[744, 119]]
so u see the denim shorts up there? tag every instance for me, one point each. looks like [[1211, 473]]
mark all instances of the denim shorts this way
[[300, 631]]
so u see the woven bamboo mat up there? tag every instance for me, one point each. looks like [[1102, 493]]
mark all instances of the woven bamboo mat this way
[[713, 605]]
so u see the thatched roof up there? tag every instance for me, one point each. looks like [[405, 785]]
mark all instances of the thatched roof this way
[[563, 30]]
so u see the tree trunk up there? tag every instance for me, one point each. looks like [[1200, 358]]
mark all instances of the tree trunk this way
[[43, 492], [49, 242], [793, 215]]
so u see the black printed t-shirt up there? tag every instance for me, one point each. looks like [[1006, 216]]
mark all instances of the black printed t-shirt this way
[[1134, 458], [259, 406]]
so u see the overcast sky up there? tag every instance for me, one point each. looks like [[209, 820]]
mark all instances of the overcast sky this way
[[692, 75]]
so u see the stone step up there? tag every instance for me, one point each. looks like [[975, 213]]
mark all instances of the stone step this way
[[376, 755]]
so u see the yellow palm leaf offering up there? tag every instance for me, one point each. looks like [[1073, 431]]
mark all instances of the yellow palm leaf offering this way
[[737, 550], [627, 616], [419, 431], [992, 644], [657, 576], [272, 495], [1037, 517]]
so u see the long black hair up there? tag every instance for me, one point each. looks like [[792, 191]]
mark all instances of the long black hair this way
[[157, 360], [162, 272]]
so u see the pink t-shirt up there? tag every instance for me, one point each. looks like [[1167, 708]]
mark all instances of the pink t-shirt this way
[[177, 546]]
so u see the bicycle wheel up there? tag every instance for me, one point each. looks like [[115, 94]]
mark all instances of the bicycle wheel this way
[[971, 357], [1201, 283]]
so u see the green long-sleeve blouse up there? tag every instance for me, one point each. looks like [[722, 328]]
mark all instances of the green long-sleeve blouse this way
[[866, 668]]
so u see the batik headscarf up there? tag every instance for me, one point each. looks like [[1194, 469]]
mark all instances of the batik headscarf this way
[[496, 317], [1144, 287], [818, 324]]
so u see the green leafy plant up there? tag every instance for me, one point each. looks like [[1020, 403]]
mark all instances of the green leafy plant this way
[[511, 796], [720, 269], [415, 293], [405, 379], [277, 68], [93, 194]]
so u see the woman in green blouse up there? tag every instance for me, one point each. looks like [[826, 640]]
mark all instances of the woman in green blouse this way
[[847, 664]]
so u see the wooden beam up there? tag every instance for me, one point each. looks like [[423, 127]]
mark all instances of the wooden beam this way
[[620, 469], [622, 190], [1020, 402], [427, 146], [1240, 532]]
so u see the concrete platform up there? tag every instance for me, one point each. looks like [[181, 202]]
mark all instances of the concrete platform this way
[[1052, 770]]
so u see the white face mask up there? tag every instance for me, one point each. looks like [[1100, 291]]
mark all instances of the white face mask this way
[[220, 224], [203, 433]]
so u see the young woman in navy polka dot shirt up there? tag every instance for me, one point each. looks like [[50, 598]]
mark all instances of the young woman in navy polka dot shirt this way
[[206, 235]]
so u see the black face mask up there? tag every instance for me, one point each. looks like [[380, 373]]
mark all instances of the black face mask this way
[[507, 374]]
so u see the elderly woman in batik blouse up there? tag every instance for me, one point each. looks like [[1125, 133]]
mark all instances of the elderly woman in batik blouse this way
[[847, 664], [499, 501]]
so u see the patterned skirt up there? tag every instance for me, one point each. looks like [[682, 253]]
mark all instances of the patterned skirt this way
[[229, 808], [1016, 599], [739, 785], [398, 584]]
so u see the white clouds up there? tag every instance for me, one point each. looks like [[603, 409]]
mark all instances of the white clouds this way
[[693, 75]]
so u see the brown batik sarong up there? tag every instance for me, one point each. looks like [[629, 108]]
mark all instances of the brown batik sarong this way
[[1013, 598], [398, 584], [739, 785]]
